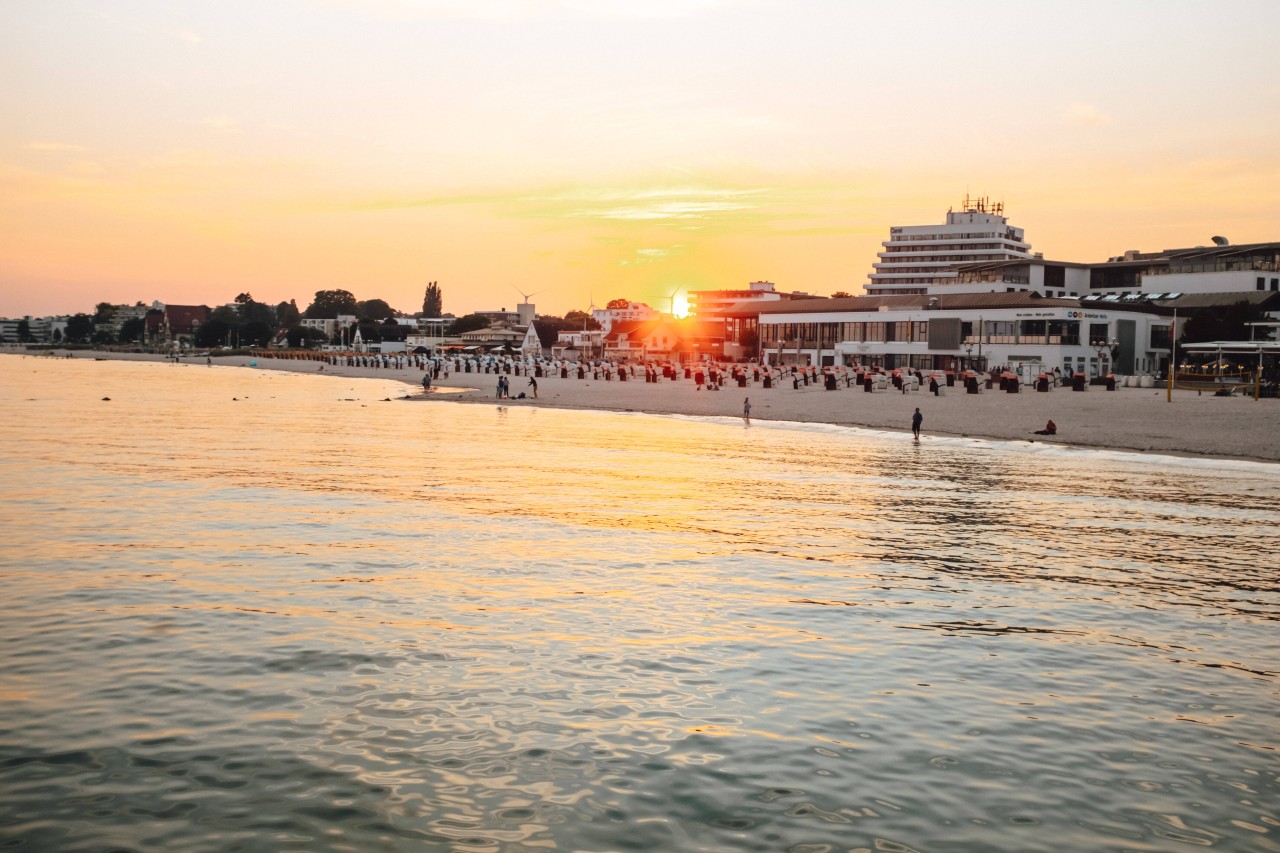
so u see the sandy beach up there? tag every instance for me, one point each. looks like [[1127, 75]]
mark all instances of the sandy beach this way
[[1136, 419]]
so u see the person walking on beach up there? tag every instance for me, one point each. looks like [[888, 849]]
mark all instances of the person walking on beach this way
[[746, 410], [533, 383], [916, 420], [426, 382]]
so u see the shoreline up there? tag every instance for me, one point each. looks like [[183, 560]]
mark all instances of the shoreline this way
[[1128, 419]]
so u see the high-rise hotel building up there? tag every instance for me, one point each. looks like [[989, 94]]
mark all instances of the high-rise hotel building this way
[[918, 258]]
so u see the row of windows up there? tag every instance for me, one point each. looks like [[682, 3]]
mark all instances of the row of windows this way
[[992, 278], [1262, 283], [944, 247], [895, 270], [892, 263], [1264, 264], [975, 235], [812, 335]]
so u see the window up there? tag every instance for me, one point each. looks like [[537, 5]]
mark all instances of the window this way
[[1262, 282]]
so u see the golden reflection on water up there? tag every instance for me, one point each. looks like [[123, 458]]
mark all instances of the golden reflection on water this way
[[504, 624]]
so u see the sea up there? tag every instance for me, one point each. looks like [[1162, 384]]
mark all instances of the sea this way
[[252, 610]]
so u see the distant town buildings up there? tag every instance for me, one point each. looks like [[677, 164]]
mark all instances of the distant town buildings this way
[[632, 312], [968, 293]]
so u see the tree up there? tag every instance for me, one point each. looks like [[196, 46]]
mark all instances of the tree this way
[[131, 330], [304, 336], [328, 304], [243, 299], [24, 331], [432, 301], [79, 328], [841, 294], [369, 331], [256, 333], [582, 320], [213, 332], [1222, 323], [256, 313], [226, 315], [287, 314], [467, 323], [374, 309], [56, 336], [618, 303], [103, 336], [104, 312], [549, 329]]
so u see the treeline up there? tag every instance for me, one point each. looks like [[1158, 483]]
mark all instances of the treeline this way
[[248, 322]]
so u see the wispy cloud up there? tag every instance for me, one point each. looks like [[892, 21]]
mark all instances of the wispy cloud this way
[[653, 205], [654, 255]]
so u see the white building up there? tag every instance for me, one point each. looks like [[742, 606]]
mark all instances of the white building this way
[[1048, 278], [918, 257], [331, 326], [704, 304], [1220, 268], [579, 345], [633, 312], [1022, 330]]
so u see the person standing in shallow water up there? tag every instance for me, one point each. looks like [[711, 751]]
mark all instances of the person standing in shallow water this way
[[916, 420], [746, 409], [534, 384]]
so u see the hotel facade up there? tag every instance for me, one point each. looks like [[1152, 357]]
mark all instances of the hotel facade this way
[[969, 294]]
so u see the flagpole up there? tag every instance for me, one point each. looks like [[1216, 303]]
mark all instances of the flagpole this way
[[1173, 355]]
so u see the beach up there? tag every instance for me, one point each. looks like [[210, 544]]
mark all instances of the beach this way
[[1132, 419]]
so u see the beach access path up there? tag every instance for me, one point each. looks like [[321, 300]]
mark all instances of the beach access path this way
[[1136, 419]]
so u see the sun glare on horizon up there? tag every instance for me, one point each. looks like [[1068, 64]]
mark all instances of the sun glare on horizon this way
[[680, 305]]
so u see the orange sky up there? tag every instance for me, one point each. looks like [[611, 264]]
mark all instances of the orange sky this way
[[591, 149]]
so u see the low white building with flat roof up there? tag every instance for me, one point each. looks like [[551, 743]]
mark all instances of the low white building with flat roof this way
[[1021, 330]]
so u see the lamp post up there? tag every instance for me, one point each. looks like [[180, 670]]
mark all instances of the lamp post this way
[[1103, 346], [968, 348]]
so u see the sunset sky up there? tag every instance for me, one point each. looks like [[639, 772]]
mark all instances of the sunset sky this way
[[592, 149]]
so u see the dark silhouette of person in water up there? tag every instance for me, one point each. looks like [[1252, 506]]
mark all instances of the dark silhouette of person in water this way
[[916, 420]]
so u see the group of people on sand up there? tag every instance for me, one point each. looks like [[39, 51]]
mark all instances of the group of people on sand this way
[[707, 374]]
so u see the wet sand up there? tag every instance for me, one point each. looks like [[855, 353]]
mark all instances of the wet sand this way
[[1137, 419]]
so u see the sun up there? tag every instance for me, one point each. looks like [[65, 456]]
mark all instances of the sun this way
[[680, 306]]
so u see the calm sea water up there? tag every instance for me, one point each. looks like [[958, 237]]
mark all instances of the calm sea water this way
[[246, 610]]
